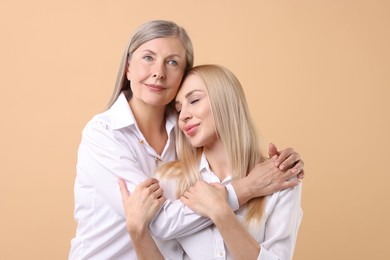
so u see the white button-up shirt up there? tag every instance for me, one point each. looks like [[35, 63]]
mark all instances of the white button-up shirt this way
[[276, 233], [112, 146]]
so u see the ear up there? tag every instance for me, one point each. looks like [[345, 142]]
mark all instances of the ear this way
[[128, 75]]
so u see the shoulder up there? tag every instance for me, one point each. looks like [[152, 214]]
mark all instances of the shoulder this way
[[99, 135], [288, 198], [98, 121]]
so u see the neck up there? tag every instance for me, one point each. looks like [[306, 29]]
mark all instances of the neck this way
[[151, 123], [217, 159]]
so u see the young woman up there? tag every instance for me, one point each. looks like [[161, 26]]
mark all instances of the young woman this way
[[132, 137], [218, 145]]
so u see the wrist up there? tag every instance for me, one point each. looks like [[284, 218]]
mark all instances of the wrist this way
[[137, 229], [242, 190], [219, 213]]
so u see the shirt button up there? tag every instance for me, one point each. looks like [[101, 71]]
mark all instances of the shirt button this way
[[220, 253], [141, 141]]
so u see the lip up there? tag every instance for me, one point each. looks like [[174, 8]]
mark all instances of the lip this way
[[191, 129], [155, 87]]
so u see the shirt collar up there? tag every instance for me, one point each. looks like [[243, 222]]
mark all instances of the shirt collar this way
[[208, 174], [204, 164], [121, 113]]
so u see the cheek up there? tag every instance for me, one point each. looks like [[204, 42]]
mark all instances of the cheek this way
[[209, 119], [175, 85], [181, 126], [128, 71], [177, 77]]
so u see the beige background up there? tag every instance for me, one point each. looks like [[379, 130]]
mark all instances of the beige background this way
[[316, 74]]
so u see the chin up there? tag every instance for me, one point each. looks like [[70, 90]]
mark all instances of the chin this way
[[196, 144], [157, 103]]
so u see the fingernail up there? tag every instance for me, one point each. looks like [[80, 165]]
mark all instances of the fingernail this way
[[277, 163], [281, 167]]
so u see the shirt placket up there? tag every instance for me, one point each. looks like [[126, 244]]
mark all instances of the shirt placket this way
[[150, 151], [220, 252]]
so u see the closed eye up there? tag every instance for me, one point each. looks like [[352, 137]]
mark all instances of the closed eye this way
[[178, 108]]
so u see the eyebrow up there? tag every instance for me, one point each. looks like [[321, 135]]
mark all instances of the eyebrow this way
[[189, 94], [152, 52]]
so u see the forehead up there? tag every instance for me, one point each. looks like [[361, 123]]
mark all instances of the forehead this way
[[171, 45], [191, 82]]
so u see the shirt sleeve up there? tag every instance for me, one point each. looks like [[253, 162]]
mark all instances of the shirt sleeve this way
[[103, 157], [183, 221], [282, 224], [232, 198], [174, 218]]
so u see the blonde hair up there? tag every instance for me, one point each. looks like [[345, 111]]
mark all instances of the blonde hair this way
[[146, 32], [235, 129]]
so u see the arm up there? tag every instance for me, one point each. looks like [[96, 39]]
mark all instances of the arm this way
[[283, 218], [210, 201], [262, 181], [140, 208], [104, 157], [282, 225]]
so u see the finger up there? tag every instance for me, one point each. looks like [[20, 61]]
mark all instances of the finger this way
[[291, 173], [186, 194], [153, 187], [290, 184], [161, 200], [272, 150], [124, 191], [301, 175], [289, 162], [148, 182], [184, 200], [284, 155], [159, 192], [298, 167]]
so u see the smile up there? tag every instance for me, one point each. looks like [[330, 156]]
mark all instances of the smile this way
[[191, 129], [154, 87]]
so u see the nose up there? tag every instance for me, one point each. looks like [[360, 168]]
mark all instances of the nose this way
[[159, 70], [184, 115]]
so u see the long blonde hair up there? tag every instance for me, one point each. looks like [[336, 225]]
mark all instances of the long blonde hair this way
[[235, 129], [147, 32]]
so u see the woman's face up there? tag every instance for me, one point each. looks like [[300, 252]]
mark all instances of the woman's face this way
[[195, 117], [156, 69]]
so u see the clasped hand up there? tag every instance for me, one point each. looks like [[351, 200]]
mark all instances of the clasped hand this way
[[143, 203]]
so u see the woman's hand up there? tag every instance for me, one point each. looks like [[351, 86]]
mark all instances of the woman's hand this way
[[209, 200], [274, 174], [206, 199], [142, 205], [287, 159]]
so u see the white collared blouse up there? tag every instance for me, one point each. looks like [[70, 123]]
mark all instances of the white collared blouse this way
[[112, 146], [276, 233]]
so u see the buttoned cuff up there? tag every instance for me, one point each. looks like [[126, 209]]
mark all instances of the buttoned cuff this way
[[232, 198]]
